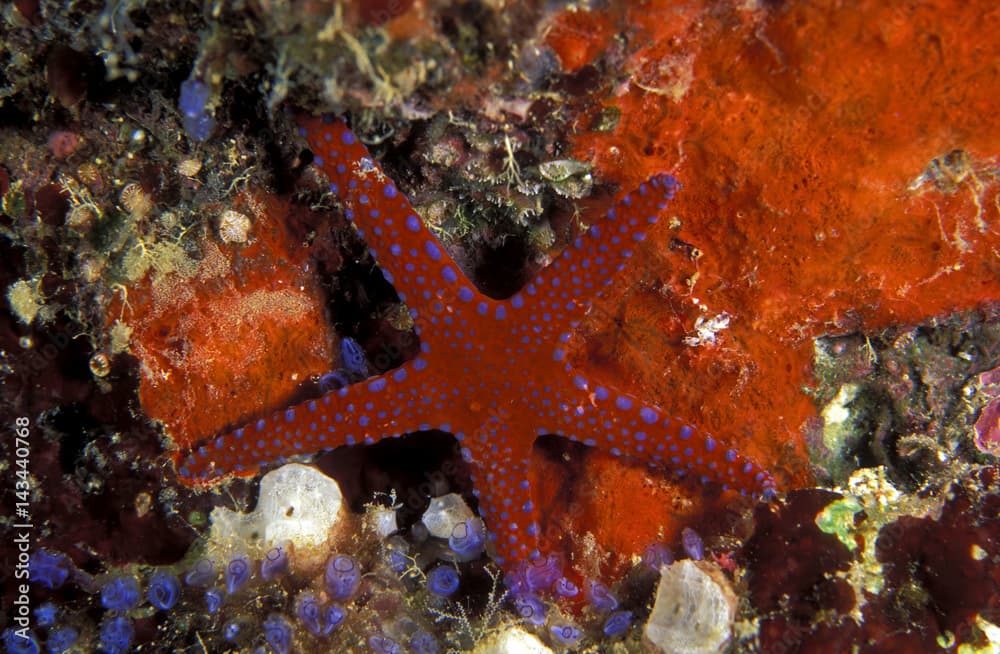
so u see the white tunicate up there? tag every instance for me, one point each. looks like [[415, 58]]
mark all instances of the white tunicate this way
[[694, 610], [297, 503], [383, 520], [514, 640], [444, 513]]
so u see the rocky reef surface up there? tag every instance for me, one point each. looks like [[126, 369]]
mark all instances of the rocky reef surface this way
[[809, 315]]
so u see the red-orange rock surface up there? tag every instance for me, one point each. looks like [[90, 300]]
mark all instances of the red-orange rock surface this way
[[239, 338], [803, 135]]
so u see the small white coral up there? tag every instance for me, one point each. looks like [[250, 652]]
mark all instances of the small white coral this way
[[694, 610]]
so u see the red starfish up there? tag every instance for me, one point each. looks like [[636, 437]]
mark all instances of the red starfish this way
[[493, 373]]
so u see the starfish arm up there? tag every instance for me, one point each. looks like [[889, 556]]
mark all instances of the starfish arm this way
[[409, 398], [625, 426], [412, 259], [500, 477], [562, 292]]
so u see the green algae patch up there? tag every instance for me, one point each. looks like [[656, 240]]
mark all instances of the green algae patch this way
[[837, 519]]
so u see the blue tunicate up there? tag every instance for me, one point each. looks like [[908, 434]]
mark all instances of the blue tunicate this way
[[515, 581], [237, 630], [657, 555], [50, 570], [275, 562], [307, 610], [193, 98], [529, 607], [278, 633], [20, 642], [116, 635], [600, 597], [61, 640], [543, 572], [237, 573], [343, 576], [46, 614], [164, 590], [566, 634], [193, 103], [384, 645], [399, 562], [202, 574], [423, 643], [566, 588], [213, 599], [617, 623], [468, 538], [353, 357], [442, 581], [333, 381], [120, 594], [333, 617], [693, 546], [199, 127]]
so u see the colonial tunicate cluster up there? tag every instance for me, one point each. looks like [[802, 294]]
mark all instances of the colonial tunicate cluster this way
[[297, 572]]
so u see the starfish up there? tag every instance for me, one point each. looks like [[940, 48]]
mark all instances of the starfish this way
[[493, 373]]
